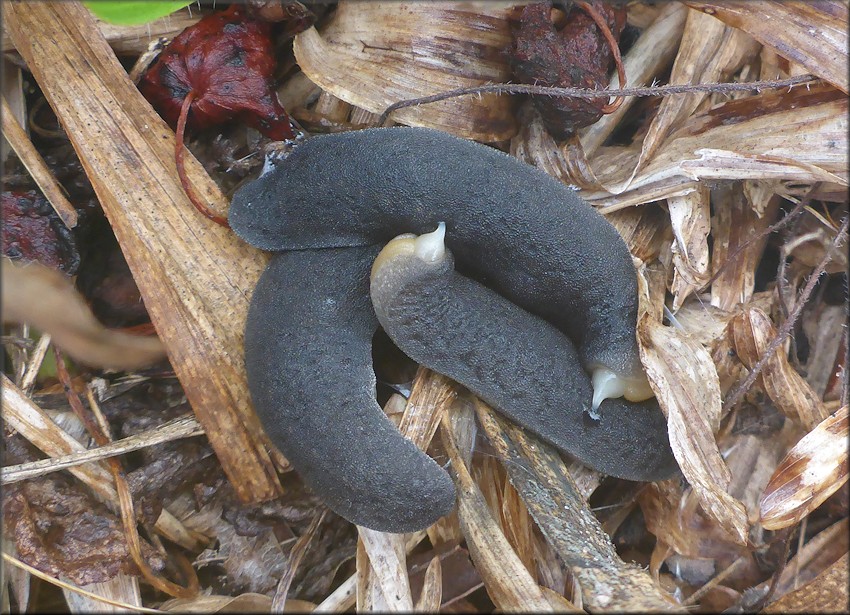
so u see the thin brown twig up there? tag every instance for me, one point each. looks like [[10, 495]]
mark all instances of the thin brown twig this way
[[179, 148], [295, 556], [739, 391], [541, 90], [774, 580], [798, 209], [125, 500]]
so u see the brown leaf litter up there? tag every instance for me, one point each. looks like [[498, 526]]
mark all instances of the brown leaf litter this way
[[733, 203]]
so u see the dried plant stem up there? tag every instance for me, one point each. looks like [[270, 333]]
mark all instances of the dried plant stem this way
[[739, 391], [32, 160], [295, 557], [540, 90], [125, 500], [73, 588], [183, 427], [179, 148], [34, 363], [798, 209]]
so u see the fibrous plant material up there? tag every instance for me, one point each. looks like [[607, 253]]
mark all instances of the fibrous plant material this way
[[373, 54], [195, 289]]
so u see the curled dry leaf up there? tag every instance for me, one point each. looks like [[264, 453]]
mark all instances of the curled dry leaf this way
[[683, 377], [691, 222], [811, 472], [799, 135], [48, 301], [373, 54], [752, 332], [813, 34]]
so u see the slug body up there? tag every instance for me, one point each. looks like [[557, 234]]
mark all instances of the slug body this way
[[308, 343], [515, 361], [512, 227]]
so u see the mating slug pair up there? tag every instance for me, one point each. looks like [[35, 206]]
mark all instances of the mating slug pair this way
[[534, 262]]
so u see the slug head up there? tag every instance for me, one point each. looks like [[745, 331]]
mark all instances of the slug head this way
[[429, 248], [608, 384]]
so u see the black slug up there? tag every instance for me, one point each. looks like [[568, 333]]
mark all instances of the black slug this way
[[308, 343], [517, 362], [513, 228]]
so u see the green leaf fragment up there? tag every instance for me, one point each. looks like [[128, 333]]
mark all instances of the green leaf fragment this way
[[134, 12]]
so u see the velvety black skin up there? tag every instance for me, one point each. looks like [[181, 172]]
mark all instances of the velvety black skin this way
[[519, 364], [308, 342], [509, 225]]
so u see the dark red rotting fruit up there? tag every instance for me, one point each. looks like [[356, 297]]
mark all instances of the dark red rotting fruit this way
[[577, 55], [33, 232], [227, 60]]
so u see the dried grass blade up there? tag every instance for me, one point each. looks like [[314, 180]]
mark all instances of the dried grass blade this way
[[432, 588], [541, 477], [32, 160], [814, 469], [296, 554], [183, 427], [430, 395], [195, 276], [506, 579], [388, 567], [33, 423]]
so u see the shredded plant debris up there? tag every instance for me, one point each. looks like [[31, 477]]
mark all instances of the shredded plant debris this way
[[712, 135]]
